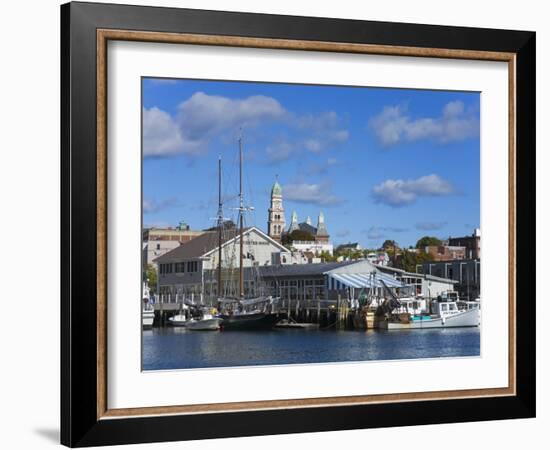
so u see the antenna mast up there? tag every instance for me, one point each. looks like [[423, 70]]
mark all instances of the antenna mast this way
[[242, 209], [220, 225]]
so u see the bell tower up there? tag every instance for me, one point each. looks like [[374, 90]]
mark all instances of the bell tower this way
[[276, 213]]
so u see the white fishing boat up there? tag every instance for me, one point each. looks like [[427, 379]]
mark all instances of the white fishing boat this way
[[147, 311], [180, 319], [445, 314], [207, 322]]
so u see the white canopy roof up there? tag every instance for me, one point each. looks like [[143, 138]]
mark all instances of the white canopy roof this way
[[339, 281]]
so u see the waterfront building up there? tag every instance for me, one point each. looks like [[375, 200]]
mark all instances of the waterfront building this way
[[430, 286], [191, 267], [158, 241], [313, 247], [326, 281], [471, 244], [319, 233], [465, 272], [445, 252]]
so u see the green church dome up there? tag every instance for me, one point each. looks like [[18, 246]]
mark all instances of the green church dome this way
[[276, 189]]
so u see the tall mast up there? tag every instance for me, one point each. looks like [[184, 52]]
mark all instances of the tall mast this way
[[220, 225], [241, 213], [242, 209]]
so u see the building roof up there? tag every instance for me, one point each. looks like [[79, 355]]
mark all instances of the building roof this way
[[362, 280], [197, 247], [301, 270], [426, 276], [208, 242], [304, 226]]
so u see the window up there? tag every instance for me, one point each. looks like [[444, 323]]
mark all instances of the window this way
[[180, 267], [443, 307], [192, 266], [158, 246]]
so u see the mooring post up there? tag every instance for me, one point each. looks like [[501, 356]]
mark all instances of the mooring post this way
[[162, 310]]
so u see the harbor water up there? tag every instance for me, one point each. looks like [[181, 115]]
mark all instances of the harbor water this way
[[178, 348]]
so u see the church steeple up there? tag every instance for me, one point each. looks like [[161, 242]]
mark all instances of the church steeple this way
[[294, 223], [276, 213], [322, 232]]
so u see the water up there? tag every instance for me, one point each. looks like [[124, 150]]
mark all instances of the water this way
[[178, 348]]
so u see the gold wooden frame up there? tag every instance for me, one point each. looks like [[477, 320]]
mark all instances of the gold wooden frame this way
[[104, 35]]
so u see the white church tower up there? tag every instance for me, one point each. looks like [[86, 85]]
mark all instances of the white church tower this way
[[276, 213]]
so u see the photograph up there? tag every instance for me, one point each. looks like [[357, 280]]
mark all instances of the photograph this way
[[305, 224], [300, 202]]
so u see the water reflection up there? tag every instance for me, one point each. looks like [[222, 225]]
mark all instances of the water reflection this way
[[178, 348]]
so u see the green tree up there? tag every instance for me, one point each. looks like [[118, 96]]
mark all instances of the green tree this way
[[297, 235], [389, 245], [427, 241], [349, 253], [151, 276], [409, 260], [327, 257]]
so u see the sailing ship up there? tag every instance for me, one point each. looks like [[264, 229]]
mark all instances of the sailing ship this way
[[241, 313]]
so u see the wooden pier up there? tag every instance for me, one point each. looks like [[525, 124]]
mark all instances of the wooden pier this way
[[333, 313]]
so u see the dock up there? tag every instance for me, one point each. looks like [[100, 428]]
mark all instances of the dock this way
[[321, 314]]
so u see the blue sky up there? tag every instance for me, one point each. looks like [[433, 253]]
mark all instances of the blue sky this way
[[380, 163]]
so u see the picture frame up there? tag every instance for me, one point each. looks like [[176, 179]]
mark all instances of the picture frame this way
[[86, 28]]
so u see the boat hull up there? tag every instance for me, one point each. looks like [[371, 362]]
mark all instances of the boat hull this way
[[257, 321], [463, 319], [178, 321], [147, 319], [204, 324]]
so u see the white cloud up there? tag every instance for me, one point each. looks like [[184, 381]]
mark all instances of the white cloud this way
[[398, 193], [202, 115], [380, 232], [323, 130], [322, 168], [152, 206], [202, 118], [429, 226], [280, 151], [161, 135], [318, 194], [312, 133], [393, 126], [343, 233], [375, 233], [199, 119]]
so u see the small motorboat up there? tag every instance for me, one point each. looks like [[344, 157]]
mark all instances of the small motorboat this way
[[206, 323], [180, 319]]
